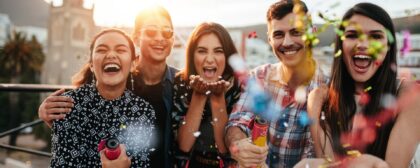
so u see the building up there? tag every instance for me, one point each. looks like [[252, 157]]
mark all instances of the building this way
[[70, 28]]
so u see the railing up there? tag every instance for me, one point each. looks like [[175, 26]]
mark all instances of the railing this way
[[27, 88]]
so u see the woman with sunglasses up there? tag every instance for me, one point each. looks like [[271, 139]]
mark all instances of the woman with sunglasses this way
[[204, 93], [104, 108], [358, 115], [153, 79]]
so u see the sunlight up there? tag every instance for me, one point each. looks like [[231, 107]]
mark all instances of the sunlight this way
[[120, 12]]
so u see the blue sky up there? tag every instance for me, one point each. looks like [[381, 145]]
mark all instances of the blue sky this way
[[227, 12]]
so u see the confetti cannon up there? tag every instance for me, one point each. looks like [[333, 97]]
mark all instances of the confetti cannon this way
[[259, 132], [111, 147]]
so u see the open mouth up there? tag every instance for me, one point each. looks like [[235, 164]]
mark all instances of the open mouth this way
[[209, 71], [112, 67], [362, 61], [158, 47]]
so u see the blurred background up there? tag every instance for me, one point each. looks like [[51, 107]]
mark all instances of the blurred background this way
[[49, 42]]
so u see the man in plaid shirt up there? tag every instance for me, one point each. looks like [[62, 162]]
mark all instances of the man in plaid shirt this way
[[288, 140]]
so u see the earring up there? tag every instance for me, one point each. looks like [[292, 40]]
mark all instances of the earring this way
[[93, 79], [132, 81]]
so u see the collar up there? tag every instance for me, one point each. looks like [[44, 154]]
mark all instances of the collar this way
[[169, 74]]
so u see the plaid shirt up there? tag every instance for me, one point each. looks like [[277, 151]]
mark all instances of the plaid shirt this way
[[288, 140]]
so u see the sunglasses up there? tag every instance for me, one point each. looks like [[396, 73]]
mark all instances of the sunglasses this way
[[151, 32]]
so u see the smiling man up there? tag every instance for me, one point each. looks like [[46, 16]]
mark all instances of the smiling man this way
[[288, 140]]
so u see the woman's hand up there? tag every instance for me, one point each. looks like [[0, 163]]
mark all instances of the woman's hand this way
[[199, 85], [218, 88], [123, 161]]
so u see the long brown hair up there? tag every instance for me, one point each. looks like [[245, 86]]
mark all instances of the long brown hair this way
[[341, 106], [85, 75]]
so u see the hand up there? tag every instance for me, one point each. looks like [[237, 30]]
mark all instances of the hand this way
[[198, 84], [55, 107], [123, 161], [316, 100], [248, 154], [218, 88]]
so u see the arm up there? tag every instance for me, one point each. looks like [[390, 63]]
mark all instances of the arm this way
[[240, 146], [406, 129], [316, 100], [219, 112], [55, 107], [192, 121]]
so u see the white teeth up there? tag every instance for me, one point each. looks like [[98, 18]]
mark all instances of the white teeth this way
[[362, 57], [289, 52], [158, 47], [116, 66]]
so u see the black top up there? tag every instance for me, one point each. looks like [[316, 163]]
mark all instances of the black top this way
[[153, 94], [129, 118], [204, 152]]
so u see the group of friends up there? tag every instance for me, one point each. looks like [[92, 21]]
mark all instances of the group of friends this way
[[199, 116]]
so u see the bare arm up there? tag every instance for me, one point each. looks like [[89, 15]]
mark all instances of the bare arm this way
[[220, 118], [316, 100], [55, 107], [406, 129], [186, 138]]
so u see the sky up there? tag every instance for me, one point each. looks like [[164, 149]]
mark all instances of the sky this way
[[230, 13]]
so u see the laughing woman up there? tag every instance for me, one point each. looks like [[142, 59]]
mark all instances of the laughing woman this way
[[104, 108], [357, 112], [204, 93]]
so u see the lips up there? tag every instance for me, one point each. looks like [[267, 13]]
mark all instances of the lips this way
[[362, 62], [290, 50]]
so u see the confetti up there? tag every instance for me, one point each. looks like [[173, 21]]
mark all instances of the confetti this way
[[406, 46], [153, 149], [368, 89], [196, 134], [208, 92], [300, 95], [304, 119], [338, 53], [364, 98], [252, 35]]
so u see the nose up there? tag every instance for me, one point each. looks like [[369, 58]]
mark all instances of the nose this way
[[362, 44], [111, 55], [287, 40], [210, 58]]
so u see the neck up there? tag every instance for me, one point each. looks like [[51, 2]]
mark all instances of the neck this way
[[110, 92], [152, 73], [359, 88], [299, 75]]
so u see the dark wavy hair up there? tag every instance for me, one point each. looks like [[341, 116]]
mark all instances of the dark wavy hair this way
[[85, 75], [341, 106]]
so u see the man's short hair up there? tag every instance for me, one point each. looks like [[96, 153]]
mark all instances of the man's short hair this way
[[281, 8]]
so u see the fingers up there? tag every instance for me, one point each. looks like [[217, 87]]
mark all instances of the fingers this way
[[52, 107], [248, 154]]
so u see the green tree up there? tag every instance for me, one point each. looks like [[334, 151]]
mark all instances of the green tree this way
[[17, 56]]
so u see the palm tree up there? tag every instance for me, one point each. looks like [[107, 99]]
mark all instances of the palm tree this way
[[19, 54]]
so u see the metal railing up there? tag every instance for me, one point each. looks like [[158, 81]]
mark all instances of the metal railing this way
[[27, 88]]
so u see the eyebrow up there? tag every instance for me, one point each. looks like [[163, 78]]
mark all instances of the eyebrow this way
[[372, 31], [106, 46]]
